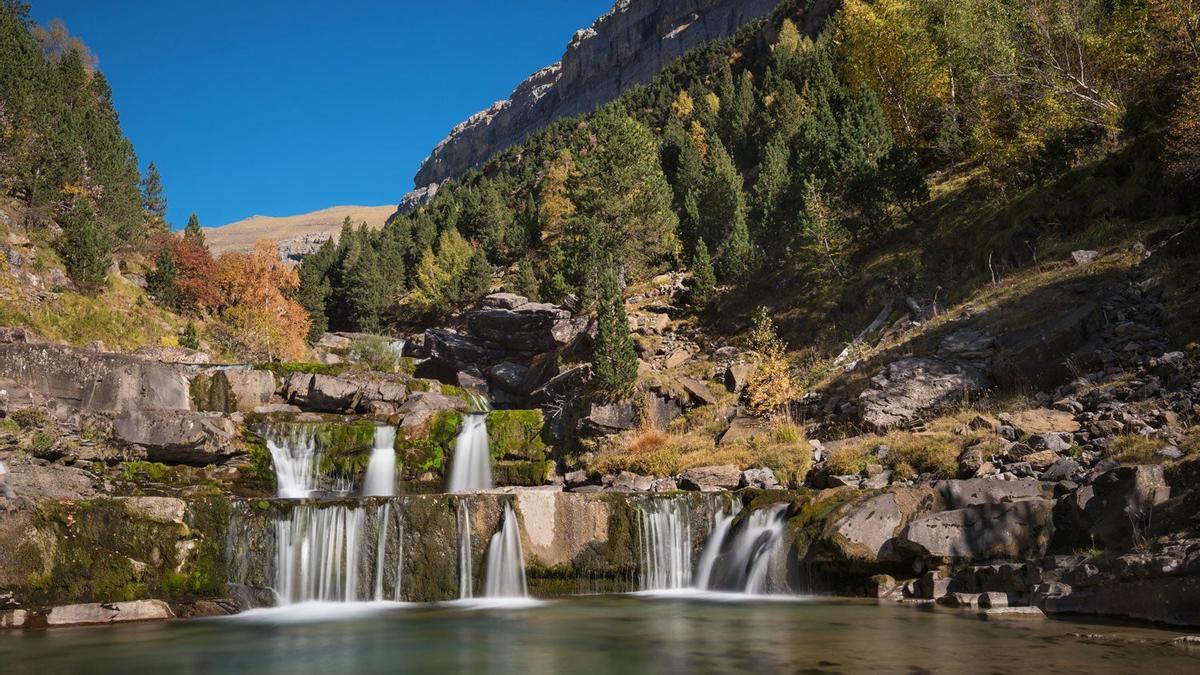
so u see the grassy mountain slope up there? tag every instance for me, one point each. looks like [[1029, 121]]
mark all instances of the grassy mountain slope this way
[[242, 234]]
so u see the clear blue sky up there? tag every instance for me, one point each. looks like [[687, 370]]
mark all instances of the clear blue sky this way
[[279, 107]]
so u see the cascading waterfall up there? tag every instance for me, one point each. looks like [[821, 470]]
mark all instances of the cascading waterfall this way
[[742, 558], [666, 545], [322, 554], [465, 573], [381, 471], [722, 523], [505, 576], [471, 465], [297, 460]]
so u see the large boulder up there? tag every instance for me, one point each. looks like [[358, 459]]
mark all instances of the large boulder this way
[[233, 390], [94, 613], [908, 390], [509, 376], [1011, 530], [423, 405], [609, 418], [711, 478], [322, 393], [177, 437], [1038, 353], [1122, 504], [93, 381], [529, 327], [458, 352]]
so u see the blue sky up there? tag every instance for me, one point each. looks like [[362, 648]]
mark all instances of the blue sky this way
[[281, 107]]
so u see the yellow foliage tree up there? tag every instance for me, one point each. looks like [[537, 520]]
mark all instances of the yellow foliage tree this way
[[259, 319], [683, 105], [771, 387], [556, 205]]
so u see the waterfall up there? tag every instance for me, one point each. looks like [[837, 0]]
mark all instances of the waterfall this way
[[465, 573], [297, 460], [381, 471], [505, 560], [666, 545], [323, 554], [722, 523], [471, 465], [740, 560]]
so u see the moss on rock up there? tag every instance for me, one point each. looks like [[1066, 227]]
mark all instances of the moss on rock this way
[[425, 448], [516, 434]]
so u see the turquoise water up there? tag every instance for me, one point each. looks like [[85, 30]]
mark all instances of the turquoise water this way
[[597, 634]]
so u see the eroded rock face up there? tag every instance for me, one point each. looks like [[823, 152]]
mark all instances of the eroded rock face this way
[[910, 389], [89, 380], [176, 436], [1010, 530], [630, 44], [459, 352]]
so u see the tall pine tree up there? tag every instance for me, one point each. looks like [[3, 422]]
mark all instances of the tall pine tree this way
[[614, 359], [154, 202]]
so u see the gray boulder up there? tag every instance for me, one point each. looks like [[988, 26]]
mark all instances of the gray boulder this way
[[609, 418], [233, 390], [697, 391], [1122, 504], [461, 352], [627, 481], [322, 393], [761, 479], [1011, 530], [503, 301], [509, 376], [711, 478], [738, 375], [177, 437], [530, 327], [422, 405], [910, 389]]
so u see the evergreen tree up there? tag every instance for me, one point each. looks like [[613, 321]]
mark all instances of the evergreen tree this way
[[824, 237], [154, 202], [191, 337], [723, 203], [161, 281], [84, 249], [771, 186], [316, 287], [478, 278], [193, 233], [525, 282], [614, 359], [738, 254], [704, 281], [364, 291]]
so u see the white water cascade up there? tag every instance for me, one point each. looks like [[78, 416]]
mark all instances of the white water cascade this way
[[471, 465], [324, 554], [466, 576], [742, 558], [297, 460], [381, 471], [722, 523], [666, 545], [505, 576]]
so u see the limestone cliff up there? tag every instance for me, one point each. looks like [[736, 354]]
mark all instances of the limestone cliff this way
[[630, 44]]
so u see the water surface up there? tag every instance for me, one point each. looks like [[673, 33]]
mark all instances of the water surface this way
[[681, 633]]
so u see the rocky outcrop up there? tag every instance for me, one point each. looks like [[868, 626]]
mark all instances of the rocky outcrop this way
[[177, 436], [910, 389], [630, 44]]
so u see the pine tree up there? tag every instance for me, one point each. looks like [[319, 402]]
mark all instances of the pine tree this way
[[315, 287], [162, 280], [704, 281], [773, 179], [614, 359], [193, 233], [154, 203], [525, 282], [824, 238], [478, 278], [723, 202], [85, 249], [738, 254], [364, 291], [191, 337]]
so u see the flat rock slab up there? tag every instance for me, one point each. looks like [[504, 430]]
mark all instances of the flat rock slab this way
[[1042, 421], [94, 613]]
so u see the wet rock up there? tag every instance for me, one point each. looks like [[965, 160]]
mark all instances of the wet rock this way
[[108, 612], [912, 388], [711, 478], [931, 586]]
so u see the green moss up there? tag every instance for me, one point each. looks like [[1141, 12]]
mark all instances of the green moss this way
[[426, 448], [41, 442], [521, 472], [346, 446], [30, 418], [282, 370], [516, 434]]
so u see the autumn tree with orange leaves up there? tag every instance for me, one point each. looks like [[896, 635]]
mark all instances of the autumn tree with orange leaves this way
[[260, 320]]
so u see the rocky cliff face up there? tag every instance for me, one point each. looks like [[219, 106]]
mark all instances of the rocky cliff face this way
[[630, 44]]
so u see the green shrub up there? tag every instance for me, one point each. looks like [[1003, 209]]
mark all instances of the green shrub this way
[[30, 418], [374, 352]]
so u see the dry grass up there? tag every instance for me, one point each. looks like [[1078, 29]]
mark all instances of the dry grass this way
[[651, 452], [934, 452], [241, 235], [1134, 449]]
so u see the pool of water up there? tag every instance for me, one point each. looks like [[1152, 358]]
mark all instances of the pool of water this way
[[599, 634]]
